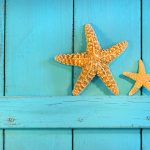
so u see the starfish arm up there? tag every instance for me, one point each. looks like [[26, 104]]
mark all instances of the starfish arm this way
[[135, 88], [85, 77], [106, 76], [71, 59], [91, 39], [147, 85], [148, 76], [131, 75], [113, 52], [141, 67]]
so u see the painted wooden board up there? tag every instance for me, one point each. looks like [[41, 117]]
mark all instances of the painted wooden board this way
[[35, 32], [1, 140], [146, 139], [2, 32], [75, 112], [2, 10], [146, 38], [108, 139], [38, 139], [113, 21]]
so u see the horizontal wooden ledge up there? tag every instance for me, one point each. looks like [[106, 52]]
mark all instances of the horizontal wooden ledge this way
[[75, 112]]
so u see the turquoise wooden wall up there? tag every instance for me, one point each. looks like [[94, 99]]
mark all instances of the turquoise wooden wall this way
[[37, 110]]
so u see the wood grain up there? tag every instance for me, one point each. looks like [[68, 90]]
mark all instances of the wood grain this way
[[146, 139], [107, 139], [75, 112], [38, 139]]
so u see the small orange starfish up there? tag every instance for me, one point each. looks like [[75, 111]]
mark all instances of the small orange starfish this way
[[141, 78], [93, 62]]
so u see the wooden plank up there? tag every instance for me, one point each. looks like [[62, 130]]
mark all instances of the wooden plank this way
[[107, 139], [36, 31], [2, 9], [146, 139], [146, 37], [2, 12], [38, 139], [113, 21], [75, 112], [1, 139]]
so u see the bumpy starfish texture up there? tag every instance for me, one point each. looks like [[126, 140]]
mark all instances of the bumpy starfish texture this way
[[93, 62], [141, 78]]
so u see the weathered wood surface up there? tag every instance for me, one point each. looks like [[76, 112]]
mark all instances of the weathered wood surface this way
[[37, 139], [75, 112], [146, 139], [107, 139]]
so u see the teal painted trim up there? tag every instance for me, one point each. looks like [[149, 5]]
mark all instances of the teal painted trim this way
[[38, 139], [2, 11], [107, 139], [75, 112], [146, 38]]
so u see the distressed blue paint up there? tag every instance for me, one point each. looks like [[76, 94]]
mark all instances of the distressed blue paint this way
[[38, 139], [107, 139], [36, 31], [146, 139], [113, 21], [75, 112], [146, 38]]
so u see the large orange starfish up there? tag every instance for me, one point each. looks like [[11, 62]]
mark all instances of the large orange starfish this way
[[141, 78], [93, 62]]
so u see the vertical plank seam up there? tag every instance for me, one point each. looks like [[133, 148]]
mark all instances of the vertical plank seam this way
[[141, 32], [141, 139], [73, 43], [73, 66], [141, 20], [4, 86], [73, 19], [72, 139], [3, 139]]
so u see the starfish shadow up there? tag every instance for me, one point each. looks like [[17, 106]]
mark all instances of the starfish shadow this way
[[127, 79], [64, 68], [101, 86]]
